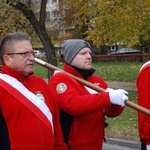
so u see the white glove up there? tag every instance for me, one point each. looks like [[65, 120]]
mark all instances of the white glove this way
[[117, 97], [148, 147], [108, 89]]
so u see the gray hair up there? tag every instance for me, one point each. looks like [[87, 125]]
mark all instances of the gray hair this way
[[8, 41]]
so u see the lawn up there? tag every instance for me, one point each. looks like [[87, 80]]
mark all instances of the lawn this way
[[115, 71], [109, 71], [125, 126]]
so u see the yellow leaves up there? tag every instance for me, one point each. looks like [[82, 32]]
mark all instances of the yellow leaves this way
[[113, 20], [12, 20]]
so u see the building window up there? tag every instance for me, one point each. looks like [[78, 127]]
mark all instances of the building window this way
[[55, 1]]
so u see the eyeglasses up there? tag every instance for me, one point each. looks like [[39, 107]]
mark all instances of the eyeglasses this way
[[24, 54]]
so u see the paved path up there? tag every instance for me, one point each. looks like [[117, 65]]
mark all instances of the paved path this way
[[119, 144], [122, 85], [116, 147]]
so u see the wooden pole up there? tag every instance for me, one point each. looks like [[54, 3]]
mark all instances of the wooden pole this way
[[92, 86]]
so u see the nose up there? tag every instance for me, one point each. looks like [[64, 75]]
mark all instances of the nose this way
[[89, 55], [31, 57]]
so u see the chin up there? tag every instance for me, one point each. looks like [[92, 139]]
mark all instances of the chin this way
[[29, 71], [88, 68]]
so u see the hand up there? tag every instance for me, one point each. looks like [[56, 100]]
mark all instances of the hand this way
[[117, 97]]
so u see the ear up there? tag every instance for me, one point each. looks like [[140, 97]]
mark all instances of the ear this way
[[7, 60]]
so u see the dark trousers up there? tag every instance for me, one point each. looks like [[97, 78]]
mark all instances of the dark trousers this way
[[143, 146], [4, 137]]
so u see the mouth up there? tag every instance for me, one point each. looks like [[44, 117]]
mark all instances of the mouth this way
[[89, 62], [31, 64]]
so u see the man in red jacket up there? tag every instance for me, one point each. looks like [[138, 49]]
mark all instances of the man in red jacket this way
[[29, 118], [143, 90], [83, 110]]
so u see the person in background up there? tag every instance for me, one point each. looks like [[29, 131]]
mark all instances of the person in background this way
[[82, 109], [143, 91], [61, 59], [29, 117]]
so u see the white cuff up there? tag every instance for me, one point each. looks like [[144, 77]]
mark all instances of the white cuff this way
[[148, 147]]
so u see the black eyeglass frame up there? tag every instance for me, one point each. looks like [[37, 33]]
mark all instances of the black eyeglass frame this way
[[25, 54]]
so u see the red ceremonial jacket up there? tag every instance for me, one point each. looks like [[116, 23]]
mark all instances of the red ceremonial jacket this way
[[143, 89], [88, 110], [26, 131]]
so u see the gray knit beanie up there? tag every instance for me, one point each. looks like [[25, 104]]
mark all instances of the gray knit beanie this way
[[71, 47]]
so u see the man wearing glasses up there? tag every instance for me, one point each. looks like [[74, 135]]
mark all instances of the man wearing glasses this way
[[29, 117]]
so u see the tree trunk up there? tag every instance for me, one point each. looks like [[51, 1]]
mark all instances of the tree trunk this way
[[41, 32]]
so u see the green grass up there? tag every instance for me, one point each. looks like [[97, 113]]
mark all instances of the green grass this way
[[109, 71], [125, 126], [122, 71], [40, 71]]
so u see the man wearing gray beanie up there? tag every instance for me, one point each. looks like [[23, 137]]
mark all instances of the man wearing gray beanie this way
[[83, 110], [72, 47]]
